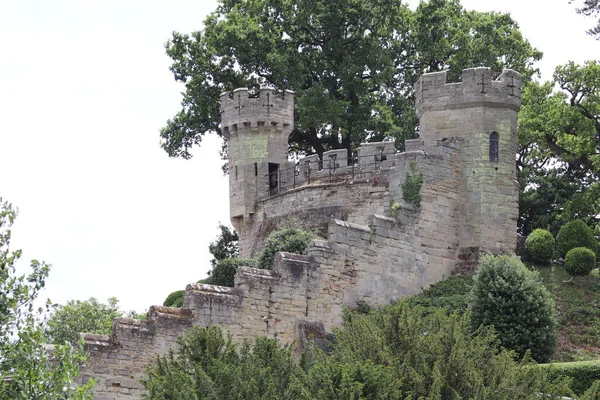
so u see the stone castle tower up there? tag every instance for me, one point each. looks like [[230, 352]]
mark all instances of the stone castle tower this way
[[375, 246], [482, 113], [257, 131]]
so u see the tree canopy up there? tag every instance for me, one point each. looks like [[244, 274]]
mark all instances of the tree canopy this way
[[591, 8], [90, 316], [352, 64], [29, 369], [559, 148]]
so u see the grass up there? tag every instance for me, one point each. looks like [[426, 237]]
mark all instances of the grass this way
[[578, 308]]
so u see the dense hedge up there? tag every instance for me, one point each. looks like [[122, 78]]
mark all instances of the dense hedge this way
[[583, 373], [575, 234], [580, 261], [540, 246]]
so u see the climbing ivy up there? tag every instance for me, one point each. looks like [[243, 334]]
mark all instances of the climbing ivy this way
[[411, 188]]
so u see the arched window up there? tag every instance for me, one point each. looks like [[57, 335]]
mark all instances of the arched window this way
[[494, 147]]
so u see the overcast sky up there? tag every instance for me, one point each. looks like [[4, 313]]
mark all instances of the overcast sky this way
[[85, 87]]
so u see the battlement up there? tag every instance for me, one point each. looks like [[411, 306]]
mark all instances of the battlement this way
[[476, 88], [271, 109]]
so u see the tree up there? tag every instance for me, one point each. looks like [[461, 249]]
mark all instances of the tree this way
[[90, 316], [397, 352], [225, 246], [591, 8], [28, 370], [511, 298], [559, 142], [289, 239], [352, 65]]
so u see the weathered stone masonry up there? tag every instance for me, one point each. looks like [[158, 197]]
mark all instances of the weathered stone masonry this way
[[469, 206]]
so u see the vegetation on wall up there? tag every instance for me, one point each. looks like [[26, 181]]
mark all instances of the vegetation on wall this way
[[411, 188], [289, 239]]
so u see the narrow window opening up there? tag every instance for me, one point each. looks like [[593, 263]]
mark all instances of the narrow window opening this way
[[255, 169], [236, 174], [273, 178], [494, 141]]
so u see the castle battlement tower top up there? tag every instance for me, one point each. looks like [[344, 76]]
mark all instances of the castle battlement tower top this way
[[239, 111], [476, 89]]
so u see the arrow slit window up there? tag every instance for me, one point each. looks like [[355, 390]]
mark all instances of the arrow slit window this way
[[494, 142]]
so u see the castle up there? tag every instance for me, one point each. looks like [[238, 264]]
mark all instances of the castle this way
[[377, 247]]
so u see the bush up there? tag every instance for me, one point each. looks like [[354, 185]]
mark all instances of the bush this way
[[292, 240], [509, 297], [224, 271], [575, 234], [582, 373], [540, 246], [580, 261], [175, 299]]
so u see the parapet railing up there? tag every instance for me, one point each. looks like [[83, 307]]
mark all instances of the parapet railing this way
[[311, 170]]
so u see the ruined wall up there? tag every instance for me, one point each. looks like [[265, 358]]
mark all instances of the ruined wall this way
[[118, 362]]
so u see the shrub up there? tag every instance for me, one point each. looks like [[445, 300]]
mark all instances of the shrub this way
[[509, 297], [580, 261], [411, 188], [224, 271], [582, 373], [575, 234], [175, 299], [540, 246], [292, 240]]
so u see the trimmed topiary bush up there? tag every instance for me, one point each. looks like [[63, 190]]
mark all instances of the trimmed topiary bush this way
[[224, 271], [580, 261], [575, 234], [291, 240], [540, 246], [511, 298], [175, 299]]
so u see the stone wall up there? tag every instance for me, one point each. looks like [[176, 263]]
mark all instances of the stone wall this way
[[368, 252]]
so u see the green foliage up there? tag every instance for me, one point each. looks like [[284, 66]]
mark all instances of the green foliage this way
[[559, 142], [208, 365], [290, 239], [583, 374], [352, 65], [175, 299], [451, 294], [225, 246], [591, 8], [90, 316], [27, 369], [540, 246], [575, 234], [511, 298], [593, 393], [411, 188], [223, 273], [397, 352], [578, 313], [580, 261]]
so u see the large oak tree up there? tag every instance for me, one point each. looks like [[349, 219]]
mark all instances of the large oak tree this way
[[352, 64]]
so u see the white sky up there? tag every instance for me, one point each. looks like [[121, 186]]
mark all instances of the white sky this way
[[85, 88]]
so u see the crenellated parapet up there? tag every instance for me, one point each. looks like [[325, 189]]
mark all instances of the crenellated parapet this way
[[271, 109], [433, 93]]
